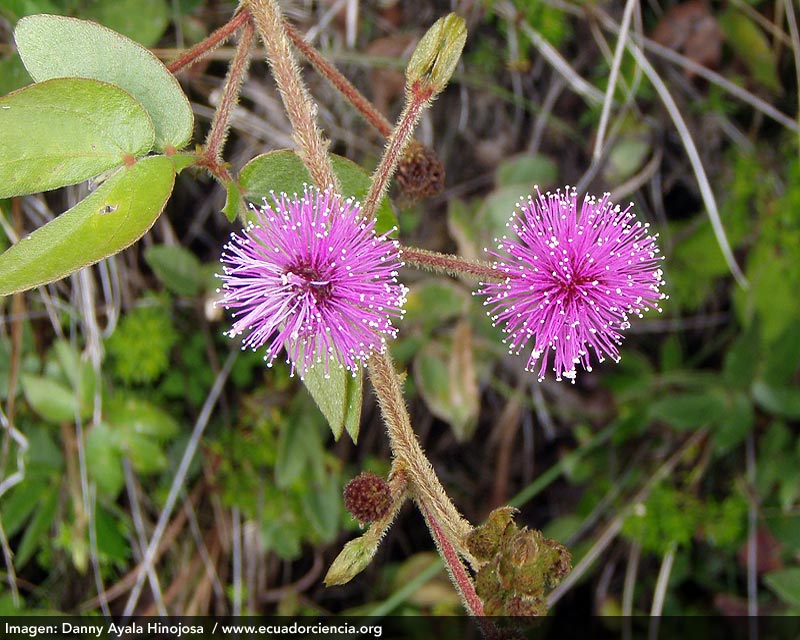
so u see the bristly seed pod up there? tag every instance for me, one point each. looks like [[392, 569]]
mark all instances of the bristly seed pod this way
[[367, 497], [420, 173]]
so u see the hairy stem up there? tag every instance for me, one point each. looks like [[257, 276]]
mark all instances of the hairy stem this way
[[409, 457], [340, 83], [458, 574], [311, 146], [395, 146], [449, 264], [210, 43], [233, 83]]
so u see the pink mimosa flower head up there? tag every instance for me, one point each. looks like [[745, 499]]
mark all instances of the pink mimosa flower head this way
[[572, 281], [310, 275]]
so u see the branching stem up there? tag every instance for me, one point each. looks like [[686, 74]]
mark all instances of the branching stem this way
[[205, 47]]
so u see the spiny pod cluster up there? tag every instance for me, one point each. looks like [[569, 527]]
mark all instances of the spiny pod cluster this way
[[520, 566]]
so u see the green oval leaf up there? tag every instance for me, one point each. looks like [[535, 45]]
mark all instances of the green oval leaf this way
[[786, 585], [689, 410], [283, 171], [133, 416], [752, 46], [65, 131], [89, 50], [445, 378], [110, 219], [338, 396], [177, 268], [50, 399], [102, 448]]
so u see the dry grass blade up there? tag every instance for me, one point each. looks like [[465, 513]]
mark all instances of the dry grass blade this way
[[584, 88], [177, 483], [141, 538], [704, 72], [694, 159], [630, 5], [662, 582]]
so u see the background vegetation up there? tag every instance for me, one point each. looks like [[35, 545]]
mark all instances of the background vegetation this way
[[674, 477]]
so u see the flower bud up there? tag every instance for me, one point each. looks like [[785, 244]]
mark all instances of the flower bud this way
[[436, 55], [352, 560], [484, 541]]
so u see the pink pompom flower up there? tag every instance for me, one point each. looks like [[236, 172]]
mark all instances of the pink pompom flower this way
[[310, 275], [572, 281]]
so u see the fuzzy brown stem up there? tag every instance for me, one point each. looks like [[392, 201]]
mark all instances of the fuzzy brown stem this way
[[210, 43], [409, 457], [311, 146], [449, 264], [395, 146], [340, 83], [233, 83]]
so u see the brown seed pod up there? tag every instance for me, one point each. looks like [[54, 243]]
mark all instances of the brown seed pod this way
[[420, 173], [367, 497]]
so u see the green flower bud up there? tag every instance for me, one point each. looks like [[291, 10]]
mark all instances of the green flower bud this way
[[560, 562], [483, 542], [436, 56], [352, 560]]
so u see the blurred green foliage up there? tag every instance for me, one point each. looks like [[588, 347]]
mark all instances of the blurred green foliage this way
[[722, 361]]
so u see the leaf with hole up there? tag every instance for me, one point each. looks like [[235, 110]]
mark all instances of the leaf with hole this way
[[89, 50], [110, 219], [282, 171], [67, 130]]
